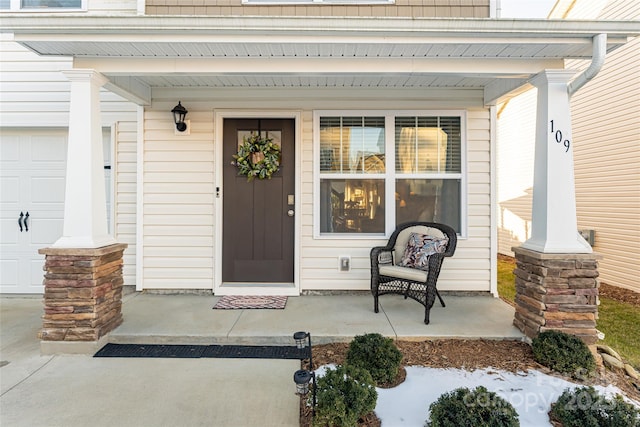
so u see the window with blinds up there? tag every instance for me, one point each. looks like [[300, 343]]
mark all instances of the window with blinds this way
[[428, 169], [352, 149], [377, 171]]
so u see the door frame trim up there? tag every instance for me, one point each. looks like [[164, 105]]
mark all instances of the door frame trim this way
[[273, 289]]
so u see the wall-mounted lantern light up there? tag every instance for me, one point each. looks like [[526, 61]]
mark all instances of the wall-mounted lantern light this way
[[179, 113]]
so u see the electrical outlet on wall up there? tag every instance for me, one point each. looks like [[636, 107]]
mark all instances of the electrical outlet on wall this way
[[344, 263]]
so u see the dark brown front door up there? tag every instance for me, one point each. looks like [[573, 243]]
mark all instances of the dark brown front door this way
[[258, 221]]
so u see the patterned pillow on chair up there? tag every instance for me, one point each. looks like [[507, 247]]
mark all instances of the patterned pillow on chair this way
[[419, 248]]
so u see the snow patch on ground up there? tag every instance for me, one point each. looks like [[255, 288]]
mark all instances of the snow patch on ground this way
[[531, 393]]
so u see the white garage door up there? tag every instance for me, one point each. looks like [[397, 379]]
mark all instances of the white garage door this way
[[32, 185]]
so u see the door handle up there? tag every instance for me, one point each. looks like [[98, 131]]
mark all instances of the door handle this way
[[290, 212], [26, 226], [20, 221]]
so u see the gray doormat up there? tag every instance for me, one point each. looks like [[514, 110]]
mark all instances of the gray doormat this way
[[201, 351], [234, 302]]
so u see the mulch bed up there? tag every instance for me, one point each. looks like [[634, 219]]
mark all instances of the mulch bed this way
[[620, 294], [512, 356]]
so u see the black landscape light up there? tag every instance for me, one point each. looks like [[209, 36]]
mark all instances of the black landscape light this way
[[302, 377]]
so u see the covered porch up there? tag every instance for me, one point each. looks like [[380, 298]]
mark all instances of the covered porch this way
[[152, 318], [300, 66]]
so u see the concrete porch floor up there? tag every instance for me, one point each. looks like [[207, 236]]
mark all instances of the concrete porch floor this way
[[40, 390], [189, 319]]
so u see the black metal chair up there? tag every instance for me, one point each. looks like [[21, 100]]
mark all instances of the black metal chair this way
[[417, 283]]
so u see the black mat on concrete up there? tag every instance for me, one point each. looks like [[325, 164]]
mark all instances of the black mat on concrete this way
[[151, 350], [252, 352], [198, 351]]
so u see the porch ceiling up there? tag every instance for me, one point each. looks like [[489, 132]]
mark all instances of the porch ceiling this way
[[428, 47], [139, 53], [312, 81]]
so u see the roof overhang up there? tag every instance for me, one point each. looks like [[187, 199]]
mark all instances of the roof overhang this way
[[140, 53]]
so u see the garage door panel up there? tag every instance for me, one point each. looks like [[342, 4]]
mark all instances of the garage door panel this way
[[32, 179], [49, 149], [36, 276], [47, 190], [10, 188], [9, 232], [9, 151], [9, 273], [44, 231]]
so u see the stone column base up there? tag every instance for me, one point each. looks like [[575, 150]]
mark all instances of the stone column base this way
[[557, 291], [82, 297]]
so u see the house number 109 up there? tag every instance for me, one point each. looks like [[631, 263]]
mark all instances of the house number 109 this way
[[558, 135]]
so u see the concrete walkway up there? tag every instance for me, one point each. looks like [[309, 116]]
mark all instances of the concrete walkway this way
[[80, 390]]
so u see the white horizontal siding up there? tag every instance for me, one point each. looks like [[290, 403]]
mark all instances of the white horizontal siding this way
[[34, 93], [516, 130], [606, 143], [112, 7], [179, 178], [606, 133], [125, 196], [178, 230], [606, 116], [468, 270]]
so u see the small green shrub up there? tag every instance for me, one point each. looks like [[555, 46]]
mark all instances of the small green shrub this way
[[344, 394], [564, 353], [376, 354], [477, 407], [584, 407]]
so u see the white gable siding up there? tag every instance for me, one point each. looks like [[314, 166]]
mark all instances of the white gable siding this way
[[179, 191]]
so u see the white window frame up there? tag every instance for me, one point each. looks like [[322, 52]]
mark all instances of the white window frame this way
[[390, 176], [14, 6]]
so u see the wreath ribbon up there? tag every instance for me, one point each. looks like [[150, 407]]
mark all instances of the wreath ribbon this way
[[257, 157]]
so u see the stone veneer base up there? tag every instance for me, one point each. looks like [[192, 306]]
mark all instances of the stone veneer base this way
[[557, 292], [82, 297]]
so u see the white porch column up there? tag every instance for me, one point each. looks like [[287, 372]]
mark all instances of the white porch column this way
[[554, 226], [85, 205]]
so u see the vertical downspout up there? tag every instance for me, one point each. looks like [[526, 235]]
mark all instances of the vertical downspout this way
[[493, 200], [597, 60]]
